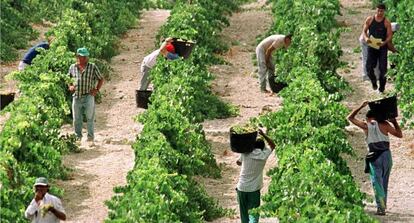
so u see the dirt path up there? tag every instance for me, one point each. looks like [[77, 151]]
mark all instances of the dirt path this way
[[401, 194], [237, 83], [98, 169]]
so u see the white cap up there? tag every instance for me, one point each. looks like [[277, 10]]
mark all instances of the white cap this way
[[41, 181]]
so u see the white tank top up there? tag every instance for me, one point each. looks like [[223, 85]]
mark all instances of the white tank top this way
[[376, 140]]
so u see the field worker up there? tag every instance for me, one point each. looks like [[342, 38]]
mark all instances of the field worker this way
[[33, 52], [379, 160], [84, 89], [364, 52], [167, 50], [379, 27], [44, 208], [251, 177], [264, 57]]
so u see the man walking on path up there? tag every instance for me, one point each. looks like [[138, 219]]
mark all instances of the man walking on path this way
[[251, 178], [377, 27], [379, 160], [364, 52], [167, 50], [264, 57], [44, 208], [84, 89]]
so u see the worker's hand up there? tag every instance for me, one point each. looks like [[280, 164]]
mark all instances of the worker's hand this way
[[52, 209], [365, 103], [38, 196], [269, 65], [93, 92], [381, 44], [72, 88], [168, 40], [392, 120], [45, 209], [261, 132], [239, 163]]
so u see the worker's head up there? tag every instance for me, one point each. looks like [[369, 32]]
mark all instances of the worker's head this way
[[381, 10], [41, 185], [170, 48], [371, 115], [82, 55], [288, 40], [259, 144]]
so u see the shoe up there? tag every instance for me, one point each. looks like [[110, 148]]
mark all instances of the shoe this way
[[380, 212], [90, 142], [381, 90], [78, 141], [265, 91], [374, 86]]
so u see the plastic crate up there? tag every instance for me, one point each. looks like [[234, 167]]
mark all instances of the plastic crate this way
[[385, 108], [183, 47], [6, 99], [242, 143], [142, 98]]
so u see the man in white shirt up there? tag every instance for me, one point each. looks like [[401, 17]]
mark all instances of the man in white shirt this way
[[264, 57], [167, 50], [44, 208], [251, 178]]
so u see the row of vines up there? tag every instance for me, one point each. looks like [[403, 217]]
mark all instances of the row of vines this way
[[312, 182], [17, 18], [30, 142], [15, 28], [172, 147], [402, 12]]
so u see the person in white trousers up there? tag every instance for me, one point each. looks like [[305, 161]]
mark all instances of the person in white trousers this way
[[264, 57]]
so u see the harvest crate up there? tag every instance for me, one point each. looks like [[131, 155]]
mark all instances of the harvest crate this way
[[183, 47], [242, 143], [385, 108], [6, 99], [142, 98]]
